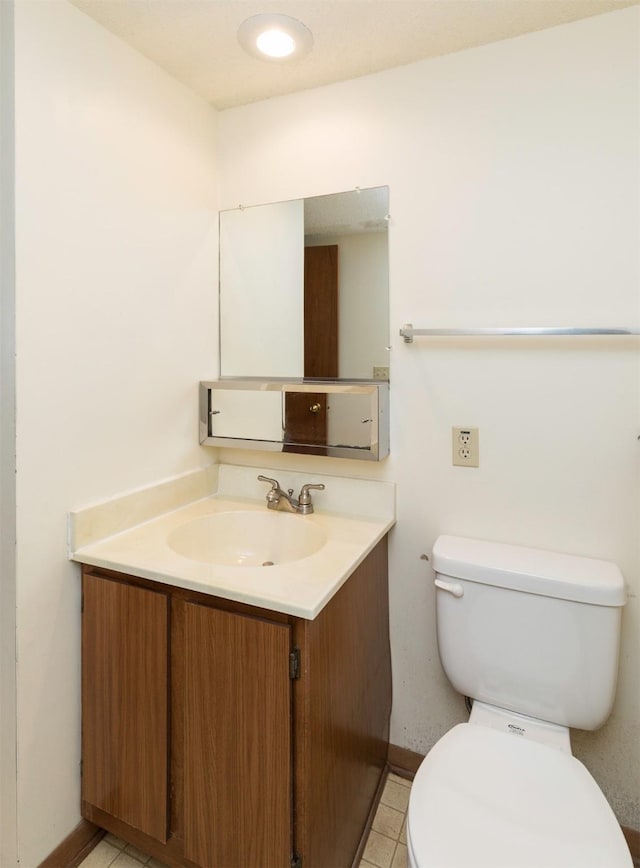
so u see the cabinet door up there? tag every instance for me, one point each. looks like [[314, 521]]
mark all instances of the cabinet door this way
[[125, 703], [236, 725]]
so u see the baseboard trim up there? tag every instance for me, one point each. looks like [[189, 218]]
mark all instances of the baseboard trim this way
[[78, 844], [405, 762], [633, 843], [370, 818]]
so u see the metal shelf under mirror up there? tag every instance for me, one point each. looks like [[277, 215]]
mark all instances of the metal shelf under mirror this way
[[335, 419]]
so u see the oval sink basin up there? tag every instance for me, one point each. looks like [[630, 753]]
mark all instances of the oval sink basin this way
[[247, 539]]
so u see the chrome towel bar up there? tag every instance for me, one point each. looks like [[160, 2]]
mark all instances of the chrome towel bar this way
[[408, 332]]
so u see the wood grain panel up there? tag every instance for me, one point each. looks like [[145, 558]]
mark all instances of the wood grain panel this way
[[343, 745], [167, 854], [125, 702], [305, 422], [321, 311], [237, 740]]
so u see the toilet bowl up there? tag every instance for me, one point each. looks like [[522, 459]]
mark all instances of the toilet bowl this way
[[504, 790], [487, 799]]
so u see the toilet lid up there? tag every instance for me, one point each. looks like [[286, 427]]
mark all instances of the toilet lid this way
[[487, 799]]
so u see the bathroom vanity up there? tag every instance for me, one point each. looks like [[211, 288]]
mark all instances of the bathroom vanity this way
[[217, 732], [236, 709]]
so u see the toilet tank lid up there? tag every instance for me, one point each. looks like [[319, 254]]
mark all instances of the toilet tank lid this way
[[532, 571]]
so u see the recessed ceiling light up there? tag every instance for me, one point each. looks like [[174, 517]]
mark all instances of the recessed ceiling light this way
[[275, 37]]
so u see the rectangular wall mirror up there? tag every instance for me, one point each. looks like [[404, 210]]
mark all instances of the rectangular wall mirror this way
[[341, 420], [304, 288]]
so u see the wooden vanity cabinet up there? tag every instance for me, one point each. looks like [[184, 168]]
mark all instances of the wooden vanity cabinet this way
[[235, 692], [221, 735], [125, 721]]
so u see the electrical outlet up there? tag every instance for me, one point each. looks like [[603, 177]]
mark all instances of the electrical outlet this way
[[380, 372], [465, 447]]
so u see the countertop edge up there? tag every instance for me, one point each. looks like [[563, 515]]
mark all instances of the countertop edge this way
[[268, 602]]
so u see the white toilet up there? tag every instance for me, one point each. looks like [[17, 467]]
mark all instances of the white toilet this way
[[533, 638]]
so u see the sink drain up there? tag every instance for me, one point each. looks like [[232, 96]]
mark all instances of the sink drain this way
[[268, 564]]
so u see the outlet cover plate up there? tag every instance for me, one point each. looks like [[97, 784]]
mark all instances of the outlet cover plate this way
[[465, 447]]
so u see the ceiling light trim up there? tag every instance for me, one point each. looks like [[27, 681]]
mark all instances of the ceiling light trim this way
[[253, 28]]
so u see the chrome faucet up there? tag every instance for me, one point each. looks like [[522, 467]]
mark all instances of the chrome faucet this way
[[279, 499]]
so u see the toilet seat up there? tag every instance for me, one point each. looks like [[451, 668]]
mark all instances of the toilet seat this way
[[487, 799]]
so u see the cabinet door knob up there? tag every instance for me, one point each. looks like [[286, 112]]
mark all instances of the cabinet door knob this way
[[315, 408]]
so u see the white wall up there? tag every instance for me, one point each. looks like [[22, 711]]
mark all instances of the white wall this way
[[513, 172], [116, 261], [7, 450], [262, 269], [363, 309], [363, 315]]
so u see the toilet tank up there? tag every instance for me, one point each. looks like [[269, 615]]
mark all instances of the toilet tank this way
[[531, 631]]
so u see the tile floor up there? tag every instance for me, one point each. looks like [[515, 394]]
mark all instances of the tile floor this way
[[387, 843], [386, 846], [111, 852]]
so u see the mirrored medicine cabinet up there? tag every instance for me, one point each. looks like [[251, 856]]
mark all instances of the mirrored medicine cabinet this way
[[304, 288], [304, 328], [340, 420]]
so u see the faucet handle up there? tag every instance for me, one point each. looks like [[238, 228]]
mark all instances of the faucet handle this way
[[305, 497], [274, 482], [274, 493]]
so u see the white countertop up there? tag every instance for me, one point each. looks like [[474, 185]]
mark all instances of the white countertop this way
[[301, 588]]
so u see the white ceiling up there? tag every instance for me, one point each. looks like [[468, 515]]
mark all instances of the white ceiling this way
[[196, 41]]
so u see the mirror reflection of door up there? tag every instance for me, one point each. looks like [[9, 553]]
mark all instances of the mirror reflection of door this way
[[305, 423], [305, 413], [262, 284], [321, 311]]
